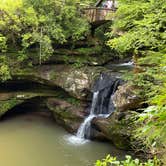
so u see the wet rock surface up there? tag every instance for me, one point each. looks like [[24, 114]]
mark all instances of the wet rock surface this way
[[125, 99], [67, 115], [117, 128]]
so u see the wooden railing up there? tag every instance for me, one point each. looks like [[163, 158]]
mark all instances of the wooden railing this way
[[96, 14]]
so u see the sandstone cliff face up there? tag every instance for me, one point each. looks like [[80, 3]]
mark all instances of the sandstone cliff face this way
[[76, 81]]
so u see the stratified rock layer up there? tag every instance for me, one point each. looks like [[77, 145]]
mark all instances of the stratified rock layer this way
[[76, 81]]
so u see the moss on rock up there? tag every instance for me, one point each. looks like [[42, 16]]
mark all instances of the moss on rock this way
[[66, 114], [9, 104], [9, 100], [118, 128]]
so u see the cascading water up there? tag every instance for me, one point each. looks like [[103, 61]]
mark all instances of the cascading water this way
[[84, 128], [102, 105]]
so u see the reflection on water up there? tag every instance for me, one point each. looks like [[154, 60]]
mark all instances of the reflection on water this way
[[29, 140]]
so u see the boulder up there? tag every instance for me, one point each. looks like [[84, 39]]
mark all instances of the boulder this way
[[66, 114], [125, 98], [117, 128]]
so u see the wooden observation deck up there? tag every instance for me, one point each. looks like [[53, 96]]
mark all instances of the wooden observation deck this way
[[98, 15]]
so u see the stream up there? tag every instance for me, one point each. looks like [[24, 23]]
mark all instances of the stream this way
[[34, 140]]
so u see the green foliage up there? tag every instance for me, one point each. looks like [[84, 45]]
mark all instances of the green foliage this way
[[142, 24], [60, 21], [3, 45], [152, 84], [6, 105], [154, 131], [140, 29], [89, 51], [4, 72], [4, 69], [112, 161], [73, 101], [28, 25]]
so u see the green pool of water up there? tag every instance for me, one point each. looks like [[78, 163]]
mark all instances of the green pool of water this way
[[30, 140]]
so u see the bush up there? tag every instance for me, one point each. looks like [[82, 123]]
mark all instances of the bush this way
[[112, 161]]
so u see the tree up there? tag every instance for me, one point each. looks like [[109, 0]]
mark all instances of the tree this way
[[140, 29], [37, 25]]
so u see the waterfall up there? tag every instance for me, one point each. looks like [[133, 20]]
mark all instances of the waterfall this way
[[101, 106], [84, 128], [94, 102]]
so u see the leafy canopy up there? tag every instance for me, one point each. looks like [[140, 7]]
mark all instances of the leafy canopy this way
[[140, 29], [38, 26]]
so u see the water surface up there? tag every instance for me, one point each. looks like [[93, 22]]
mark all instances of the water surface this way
[[30, 140]]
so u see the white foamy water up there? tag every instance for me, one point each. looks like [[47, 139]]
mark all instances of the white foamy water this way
[[84, 126], [94, 102], [130, 63], [80, 135], [74, 140]]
